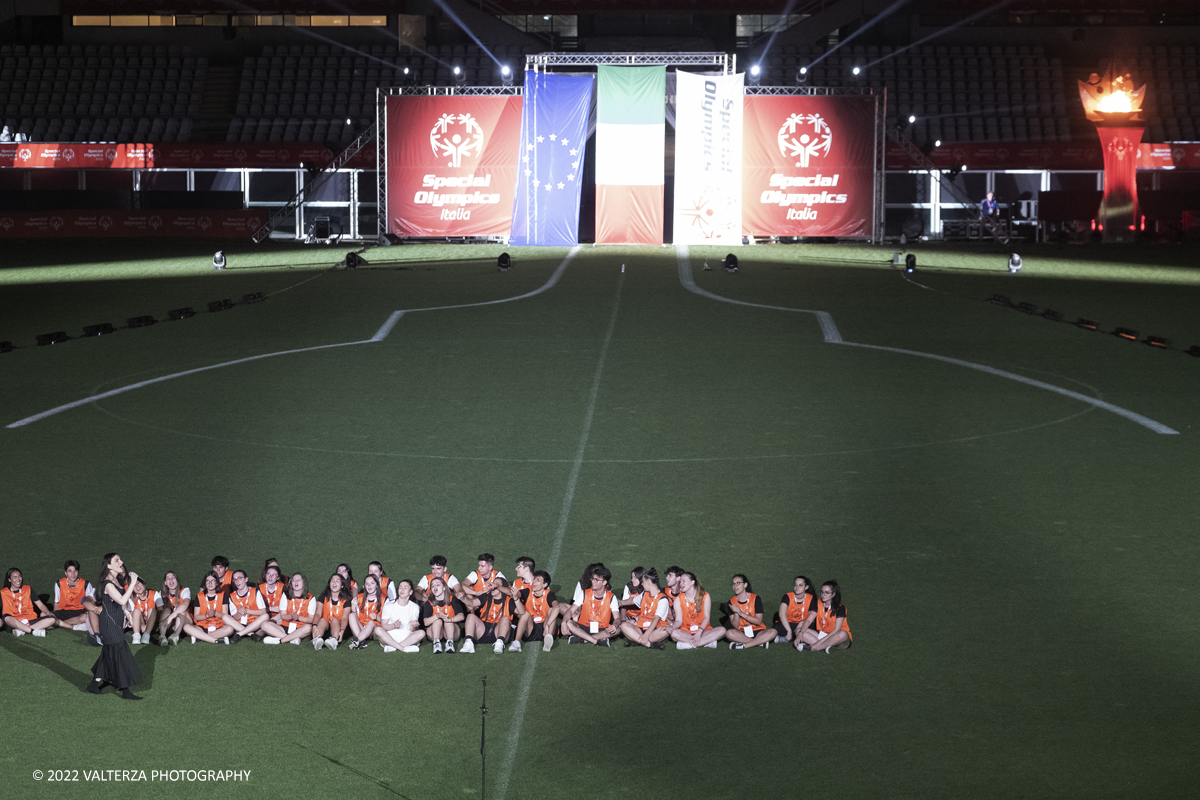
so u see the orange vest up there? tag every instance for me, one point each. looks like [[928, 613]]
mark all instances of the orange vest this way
[[747, 608], [495, 609], [479, 583], [146, 606], [538, 607], [19, 605], [384, 582], [520, 584], [331, 610], [646, 613], [71, 599], [205, 606], [798, 612], [596, 611], [445, 579], [227, 579], [365, 608], [447, 608], [297, 608], [827, 619], [274, 598], [176, 600], [693, 612], [240, 604]]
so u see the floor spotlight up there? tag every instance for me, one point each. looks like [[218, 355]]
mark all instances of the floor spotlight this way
[[731, 263], [1014, 263], [1001, 300], [1086, 324], [755, 75], [254, 297], [1052, 315], [219, 305], [44, 339], [219, 260], [354, 260], [177, 314], [506, 75], [504, 262], [7, 347], [1158, 341], [910, 264], [100, 329], [1127, 334], [1027, 308], [143, 321]]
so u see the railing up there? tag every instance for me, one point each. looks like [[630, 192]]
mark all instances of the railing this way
[[994, 227], [319, 180]]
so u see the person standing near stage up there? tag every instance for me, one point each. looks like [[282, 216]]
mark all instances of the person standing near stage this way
[[115, 666], [988, 207]]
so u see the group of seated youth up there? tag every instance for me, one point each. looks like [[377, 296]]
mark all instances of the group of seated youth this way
[[486, 608]]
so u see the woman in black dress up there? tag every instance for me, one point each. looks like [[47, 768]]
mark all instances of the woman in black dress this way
[[115, 666]]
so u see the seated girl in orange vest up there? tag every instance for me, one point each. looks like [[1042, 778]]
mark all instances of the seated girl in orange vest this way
[[693, 612], [296, 613], [176, 600], [366, 612], [334, 609], [441, 614], [831, 628], [73, 599], [146, 603], [796, 612], [24, 612], [746, 625], [597, 613], [650, 626], [208, 613], [273, 591], [247, 608]]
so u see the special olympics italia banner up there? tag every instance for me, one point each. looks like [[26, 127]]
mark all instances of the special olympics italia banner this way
[[452, 165], [630, 154], [808, 166], [708, 159]]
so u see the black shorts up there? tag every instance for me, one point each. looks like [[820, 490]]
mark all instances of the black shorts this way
[[69, 613], [537, 632], [489, 634], [782, 628]]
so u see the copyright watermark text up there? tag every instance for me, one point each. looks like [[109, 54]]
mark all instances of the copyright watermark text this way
[[141, 775]]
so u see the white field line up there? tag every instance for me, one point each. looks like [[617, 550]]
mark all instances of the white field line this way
[[832, 336], [564, 515], [379, 336]]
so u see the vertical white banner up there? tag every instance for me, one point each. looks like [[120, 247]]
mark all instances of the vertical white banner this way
[[708, 159]]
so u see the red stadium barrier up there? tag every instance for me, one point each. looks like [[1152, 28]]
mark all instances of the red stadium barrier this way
[[114, 224], [68, 155]]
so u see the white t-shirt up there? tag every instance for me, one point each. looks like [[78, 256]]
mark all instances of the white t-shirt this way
[[450, 580], [578, 598], [405, 614], [660, 611], [88, 591], [474, 576]]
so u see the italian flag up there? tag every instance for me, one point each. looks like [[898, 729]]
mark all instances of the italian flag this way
[[630, 135]]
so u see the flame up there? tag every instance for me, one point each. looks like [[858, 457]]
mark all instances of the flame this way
[[1115, 103]]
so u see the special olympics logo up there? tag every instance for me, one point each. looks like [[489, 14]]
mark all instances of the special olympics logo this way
[[1178, 153], [69, 154], [204, 223], [455, 136], [155, 222], [804, 136], [1121, 147], [56, 223], [6, 223], [711, 212], [24, 154], [239, 154], [197, 154], [104, 222], [110, 153]]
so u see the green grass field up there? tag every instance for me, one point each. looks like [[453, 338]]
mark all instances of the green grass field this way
[[1018, 564]]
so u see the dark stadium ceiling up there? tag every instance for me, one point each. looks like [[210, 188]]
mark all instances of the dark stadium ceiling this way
[[68, 7]]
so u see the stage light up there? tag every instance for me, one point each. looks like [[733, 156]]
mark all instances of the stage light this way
[[1014, 263], [731, 263], [144, 321], [910, 264], [255, 297], [219, 305], [1086, 324], [1127, 334], [44, 339], [911, 119], [457, 70], [219, 260], [354, 260], [546, 16], [6, 347], [1053, 316], [100, 329], [177, 314], [801, 76], [755, 75], [1001, 300], [1158, 341], [506, 75], [856, 70], [953, 172], [1027, 308], [504, 262], [349, 121], [406, 70], [937, 142]]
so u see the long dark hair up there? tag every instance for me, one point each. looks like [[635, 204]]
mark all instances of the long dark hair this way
[[808, 587], [837, 594], [344, 594], [204, 584], [120, 582]]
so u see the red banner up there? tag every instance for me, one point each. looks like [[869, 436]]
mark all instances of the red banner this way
[[808, 166], [452, 165], [1119, 210], [176, 224], [67, 155]]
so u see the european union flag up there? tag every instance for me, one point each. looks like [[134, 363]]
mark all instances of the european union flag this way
[[554, 124]]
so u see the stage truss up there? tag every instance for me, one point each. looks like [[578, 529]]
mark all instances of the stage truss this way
[[540, 62]]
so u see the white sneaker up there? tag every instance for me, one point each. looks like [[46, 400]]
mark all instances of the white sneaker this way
[[547, 642], [780, 639], [83, 626], [388, 649], [137, 639], [318, 643], [412, 648], [449, 645], [437, 646], [41, 634], [711, 645], [684, 646], [224, 640], [270, 640], [498, 647], [193, 640], [515, 647], [18, 633], [296, 642], [173, 638], [331, 643], [468, 647]]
